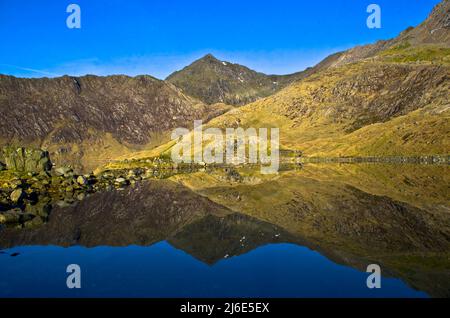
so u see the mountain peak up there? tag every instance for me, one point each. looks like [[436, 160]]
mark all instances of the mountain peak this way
[[211, 81], [209, 56]]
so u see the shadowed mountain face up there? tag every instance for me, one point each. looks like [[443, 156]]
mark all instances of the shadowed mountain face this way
[[88, 117], [64, 109], [213, 81]]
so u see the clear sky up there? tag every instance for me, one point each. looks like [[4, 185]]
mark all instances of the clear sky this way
[[157, 37]]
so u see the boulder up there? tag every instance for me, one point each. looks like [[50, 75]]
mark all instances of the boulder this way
[[26, 159], [64, 171], [11, 216], [17, 195], [16, 183], [81, 180], [120, 180], [69, 189]]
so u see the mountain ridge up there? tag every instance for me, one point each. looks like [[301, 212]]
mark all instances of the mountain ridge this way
[[389, 98], [75, 117], [84, 119], [215, 81]]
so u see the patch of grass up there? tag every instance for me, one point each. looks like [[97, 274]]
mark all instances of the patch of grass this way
[[405, 53]]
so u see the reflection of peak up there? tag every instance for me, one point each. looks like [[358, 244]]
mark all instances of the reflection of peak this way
[[213, 238]]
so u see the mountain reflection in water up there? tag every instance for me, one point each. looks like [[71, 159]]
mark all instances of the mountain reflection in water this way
[[396, 216]]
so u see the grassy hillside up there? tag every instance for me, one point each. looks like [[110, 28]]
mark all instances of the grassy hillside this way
[[393, 104], [385, 99], [396, 103]]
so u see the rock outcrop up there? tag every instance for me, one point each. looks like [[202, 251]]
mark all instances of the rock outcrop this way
[[26, 159]]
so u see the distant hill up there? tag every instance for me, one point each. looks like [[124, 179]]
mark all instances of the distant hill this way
[[213, 81]]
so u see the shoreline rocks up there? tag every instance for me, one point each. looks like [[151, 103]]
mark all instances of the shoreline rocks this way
[[17, 195], [26, 199], [25, 159]]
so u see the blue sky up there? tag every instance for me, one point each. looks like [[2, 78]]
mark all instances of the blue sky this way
[[157, 37]]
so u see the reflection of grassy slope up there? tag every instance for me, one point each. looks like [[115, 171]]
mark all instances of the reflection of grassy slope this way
[[310, 205], [355, 226], [422, 186]]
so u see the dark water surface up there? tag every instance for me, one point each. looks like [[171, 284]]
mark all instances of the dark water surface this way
[[160, 270], [307, 233]]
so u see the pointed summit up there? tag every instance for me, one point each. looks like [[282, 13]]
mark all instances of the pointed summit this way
[[209, 56], [215, 81]]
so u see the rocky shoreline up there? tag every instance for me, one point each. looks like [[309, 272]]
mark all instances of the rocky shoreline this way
[[29, 185], [26, 198]]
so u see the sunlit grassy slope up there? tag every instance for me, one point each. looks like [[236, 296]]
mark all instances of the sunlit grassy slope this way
[[393, 104], [376, 107]]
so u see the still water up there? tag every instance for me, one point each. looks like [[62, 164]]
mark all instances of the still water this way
[[305, 233]]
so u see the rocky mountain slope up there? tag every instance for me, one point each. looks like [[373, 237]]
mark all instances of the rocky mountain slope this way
[[213, 81], [386, 99], [81, 120], [434, 30]]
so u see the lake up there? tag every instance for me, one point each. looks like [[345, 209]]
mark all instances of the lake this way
[[306, 232]]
